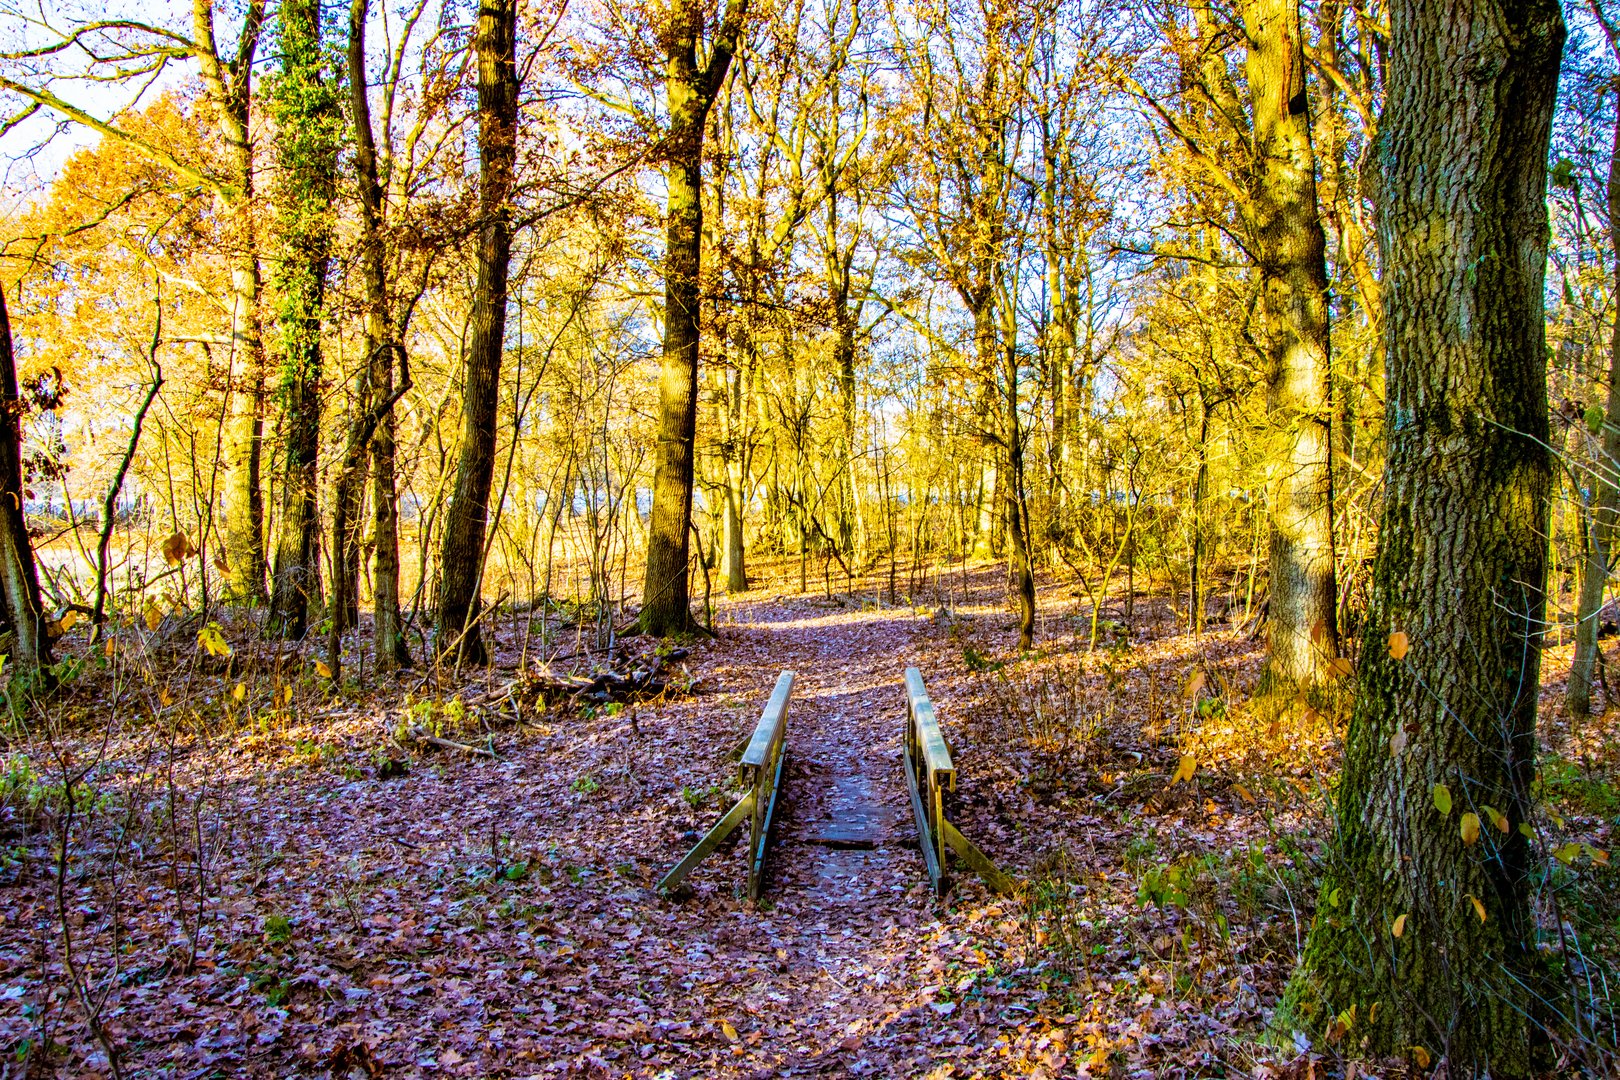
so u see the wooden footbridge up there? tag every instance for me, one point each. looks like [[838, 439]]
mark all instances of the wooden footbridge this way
[[929, 769]]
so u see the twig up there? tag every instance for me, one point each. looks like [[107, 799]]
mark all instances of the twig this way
[[419, 735]]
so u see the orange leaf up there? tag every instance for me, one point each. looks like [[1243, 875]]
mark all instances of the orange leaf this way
[[1398, 644], [177, 549], [1470, 828], [1244, 793], [325, 672], [1400, 926], [1479, 908], [1421, 1056]]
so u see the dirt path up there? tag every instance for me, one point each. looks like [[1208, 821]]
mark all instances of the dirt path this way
[[846, 880], [496, 917]]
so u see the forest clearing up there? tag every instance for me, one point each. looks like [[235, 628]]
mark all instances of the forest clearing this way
[[897, 538]]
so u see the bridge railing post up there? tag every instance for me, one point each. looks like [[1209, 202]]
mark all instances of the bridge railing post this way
[[760, 772], [930, 770]]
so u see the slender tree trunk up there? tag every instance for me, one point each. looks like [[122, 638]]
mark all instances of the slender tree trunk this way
[[19, 578], [1200, 483], [851, 527], [1604, 518], [734, 452], [244, 428], [230, 88], [462, 558], [1460, 570], [851, 531], [1020, 570], [306, 106], [382, 346], [1304, 638], [690, 91]]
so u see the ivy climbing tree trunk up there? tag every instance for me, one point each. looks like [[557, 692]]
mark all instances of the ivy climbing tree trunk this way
[[1423, 931], [690, 90], [466, 521], [19, 578], [304, 99], [1292, 250]]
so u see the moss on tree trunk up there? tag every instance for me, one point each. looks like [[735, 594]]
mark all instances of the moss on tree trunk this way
[[1460, 567]]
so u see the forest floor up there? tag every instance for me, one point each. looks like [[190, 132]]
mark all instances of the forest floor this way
[[260, 882]]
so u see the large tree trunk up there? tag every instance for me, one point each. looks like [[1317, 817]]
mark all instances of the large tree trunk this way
[[462, 559], [1461, 564], [19, 578], [1291, 248], [382, 346], [306, 106], [665, 595], [690, 91], [1604, 518]]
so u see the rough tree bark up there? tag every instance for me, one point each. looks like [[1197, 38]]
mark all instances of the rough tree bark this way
[[305, 101], [19, 578], [1461, 564], [1292, 250], [462, 558], [690, 91]]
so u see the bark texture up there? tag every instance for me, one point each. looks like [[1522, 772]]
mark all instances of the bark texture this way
[[305, 102], [690, 91], [19, 578], [1292, 251], [466, 521], [1460, 567]]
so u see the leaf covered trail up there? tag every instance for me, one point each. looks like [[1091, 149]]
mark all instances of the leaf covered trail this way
[[479, 917]]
